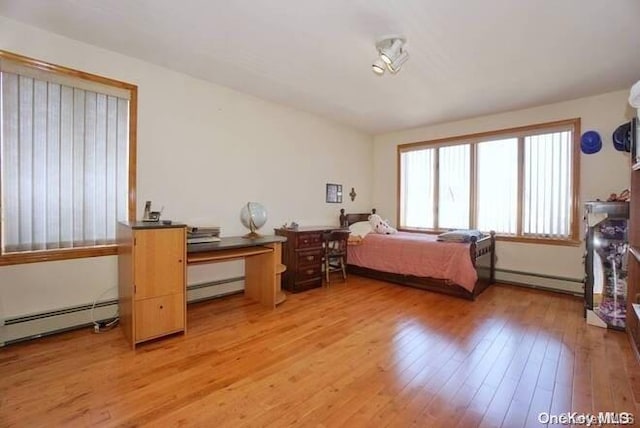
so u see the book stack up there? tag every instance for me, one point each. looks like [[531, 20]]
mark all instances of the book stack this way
[[201, 235]]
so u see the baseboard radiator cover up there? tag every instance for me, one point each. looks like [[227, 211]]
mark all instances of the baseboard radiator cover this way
[[573, 286], [18, 329]]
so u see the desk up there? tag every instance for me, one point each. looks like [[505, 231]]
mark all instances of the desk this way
[[303, 254], [263, 267]]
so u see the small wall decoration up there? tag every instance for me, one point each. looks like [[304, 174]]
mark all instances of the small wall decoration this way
[[334, 193], [353, 194]]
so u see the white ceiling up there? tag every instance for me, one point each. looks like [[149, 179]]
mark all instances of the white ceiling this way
[[467, 58]]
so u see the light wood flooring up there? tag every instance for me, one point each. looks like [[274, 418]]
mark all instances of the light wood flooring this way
[[357, 354]]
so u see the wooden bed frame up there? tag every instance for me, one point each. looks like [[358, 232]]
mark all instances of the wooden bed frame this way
[[482, 253]]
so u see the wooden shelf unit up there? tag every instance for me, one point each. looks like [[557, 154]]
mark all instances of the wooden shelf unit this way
[[633, 278]]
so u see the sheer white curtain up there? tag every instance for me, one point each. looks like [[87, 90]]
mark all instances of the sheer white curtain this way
[[547, 185], [64, 164], [497, 186], [454, 187], [416, 188]]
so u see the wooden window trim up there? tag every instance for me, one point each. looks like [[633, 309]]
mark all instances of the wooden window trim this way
[[53, 255], [519, 133], [97, 251]]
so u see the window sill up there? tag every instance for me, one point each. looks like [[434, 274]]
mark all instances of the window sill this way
[[503, 238], [541, 241], [54, 255]]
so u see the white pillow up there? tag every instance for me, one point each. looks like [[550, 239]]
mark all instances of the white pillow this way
[[361, 228]]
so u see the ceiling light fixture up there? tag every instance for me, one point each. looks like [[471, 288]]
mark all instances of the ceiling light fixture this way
[[391, 54], [378, 66]]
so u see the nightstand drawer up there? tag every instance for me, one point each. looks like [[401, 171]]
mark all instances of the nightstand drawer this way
[[309, 257], [309, 272], [309, 240], [306, 285]]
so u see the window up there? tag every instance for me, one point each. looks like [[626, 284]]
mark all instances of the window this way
[[67, 146], [521, 183]]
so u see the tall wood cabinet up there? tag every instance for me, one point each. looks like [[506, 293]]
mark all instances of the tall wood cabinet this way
[[151, 280], [633, 280]]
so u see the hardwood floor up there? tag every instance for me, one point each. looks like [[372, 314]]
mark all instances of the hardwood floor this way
[[360, 353]]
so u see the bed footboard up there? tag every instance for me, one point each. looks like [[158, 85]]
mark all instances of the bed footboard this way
[[483, 257]]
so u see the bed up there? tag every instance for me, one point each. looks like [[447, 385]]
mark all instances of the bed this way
[[419, 260]]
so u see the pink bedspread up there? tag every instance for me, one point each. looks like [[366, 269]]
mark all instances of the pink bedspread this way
[[415, 254]]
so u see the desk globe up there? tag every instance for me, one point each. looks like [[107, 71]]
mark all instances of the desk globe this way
[[253, 216]]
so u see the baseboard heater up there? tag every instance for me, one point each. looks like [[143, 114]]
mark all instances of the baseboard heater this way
[[561, 284], [18, 329]]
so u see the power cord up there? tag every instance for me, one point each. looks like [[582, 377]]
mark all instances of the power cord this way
[[102, 326], [105, 325]]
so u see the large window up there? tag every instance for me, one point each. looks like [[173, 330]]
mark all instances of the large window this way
[[67, 149], [521, 183]]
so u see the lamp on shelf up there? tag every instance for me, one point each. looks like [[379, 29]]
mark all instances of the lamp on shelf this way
[[392, 54]]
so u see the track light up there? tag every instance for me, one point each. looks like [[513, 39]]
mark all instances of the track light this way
[[395, 66], [391, 54], [378, 66]]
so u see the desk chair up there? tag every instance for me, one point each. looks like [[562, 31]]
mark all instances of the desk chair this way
[[335, 253]]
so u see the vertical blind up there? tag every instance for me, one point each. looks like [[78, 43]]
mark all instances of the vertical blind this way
[[64, 164], [547, 185], [497, 186], [454, 186], [417, 188]]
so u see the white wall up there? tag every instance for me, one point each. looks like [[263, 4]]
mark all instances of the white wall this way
[[203, 151], [601, 174]]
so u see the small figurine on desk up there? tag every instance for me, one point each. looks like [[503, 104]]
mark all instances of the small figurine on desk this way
[[293, 225]]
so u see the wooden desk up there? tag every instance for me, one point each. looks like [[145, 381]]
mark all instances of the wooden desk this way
[[303, 254], [263, 267]]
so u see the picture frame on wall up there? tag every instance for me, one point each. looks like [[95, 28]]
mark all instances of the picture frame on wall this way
[[334, 193]]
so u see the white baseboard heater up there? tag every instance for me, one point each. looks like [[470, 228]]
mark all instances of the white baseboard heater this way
[[560, 284], [18, 329]]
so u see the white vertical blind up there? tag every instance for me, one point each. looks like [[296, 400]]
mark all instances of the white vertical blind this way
[[522, 183], [547, 185], [497, 186], [64, 165], [454, 186], [417, 187]]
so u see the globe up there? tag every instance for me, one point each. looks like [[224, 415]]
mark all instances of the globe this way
[[253, 216]]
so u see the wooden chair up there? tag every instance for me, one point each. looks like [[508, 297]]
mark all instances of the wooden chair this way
[[335, 253]]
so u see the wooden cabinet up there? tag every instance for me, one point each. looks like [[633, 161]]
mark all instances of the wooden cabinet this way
[[151, 280], [302, 254], [633, 278]]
